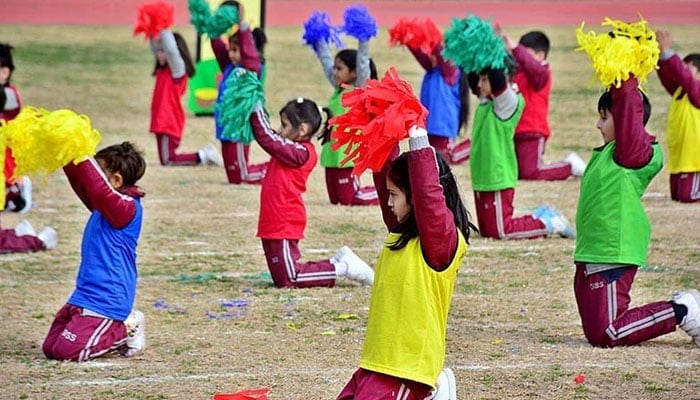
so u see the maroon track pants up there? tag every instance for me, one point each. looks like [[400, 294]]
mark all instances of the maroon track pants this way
[[603, 304]]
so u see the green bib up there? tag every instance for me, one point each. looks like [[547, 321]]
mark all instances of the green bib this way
[[611, 224], [492, 161], [331, 158]]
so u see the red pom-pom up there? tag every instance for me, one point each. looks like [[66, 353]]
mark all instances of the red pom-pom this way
[[153, 18], [378, 117], [415, 34]]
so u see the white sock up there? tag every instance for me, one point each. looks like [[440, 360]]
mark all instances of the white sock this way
[[341, 268]]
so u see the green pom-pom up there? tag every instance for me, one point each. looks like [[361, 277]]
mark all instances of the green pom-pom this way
[[212, 25], [243, 92], [472, 44]]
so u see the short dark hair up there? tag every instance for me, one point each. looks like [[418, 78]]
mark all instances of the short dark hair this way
[[693, 58], [605, 103], [536, 40], [125, 159], [6, 58]]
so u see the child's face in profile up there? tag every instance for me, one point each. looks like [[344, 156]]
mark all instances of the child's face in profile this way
[[234, 53], [398, 203], [484, 85], [342, 73], [606, 125], [4, 75], [288, 131]]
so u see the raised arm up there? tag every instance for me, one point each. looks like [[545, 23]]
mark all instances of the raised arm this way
[[94, 190], [250, 58], [283, 150], [436, 227], [537, 73], [362, 67], [632, 142], [449, 71], [218, 46], [323, 53], [172, 54]]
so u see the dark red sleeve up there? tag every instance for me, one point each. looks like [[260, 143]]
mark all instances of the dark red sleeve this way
[[536, 73], [95, 191], [221, 53], [250, 59], [448, 70], [436, 226], [286, 151], [380, 185], [633, 145], [673, 73], [422, 58]]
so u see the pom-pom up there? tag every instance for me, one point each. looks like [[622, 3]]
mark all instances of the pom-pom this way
[[319, 28], [212, 25], [243, 92], [415, 34], [359, 23], [473, 45], [153, 18], [629, 49], [44, 141], [378, 117]]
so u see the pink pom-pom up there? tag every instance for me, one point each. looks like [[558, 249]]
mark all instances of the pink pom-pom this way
[[378, 117], [153, 18]]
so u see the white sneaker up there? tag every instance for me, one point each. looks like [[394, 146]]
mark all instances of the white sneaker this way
[[578, 166], [136, 334], [446, 386], [24, 228], [210, 156], [691, 321], [358, 270], [25, 190], [49, 236], [554, 221]]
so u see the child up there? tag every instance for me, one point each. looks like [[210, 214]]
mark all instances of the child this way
[[614, 230], [445, 93], [18, 191], [534, 80], [683, 131], [494, 168], [415, 275], [350, 67], [98, 316], [173, 67], [241, 53], [282, 211]]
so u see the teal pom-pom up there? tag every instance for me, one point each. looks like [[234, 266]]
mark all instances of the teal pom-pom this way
[[472, 44], [212, 25], [243, 92]]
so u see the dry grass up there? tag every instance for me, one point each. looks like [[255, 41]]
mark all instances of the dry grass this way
[[513, 331]]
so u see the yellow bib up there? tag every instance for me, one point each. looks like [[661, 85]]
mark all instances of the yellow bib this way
[[683, 135], [407, 320]]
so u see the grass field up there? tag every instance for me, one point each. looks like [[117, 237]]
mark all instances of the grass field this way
[[513, 332]]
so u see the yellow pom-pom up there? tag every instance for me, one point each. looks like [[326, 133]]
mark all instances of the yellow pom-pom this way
[[44, 141], [628, 49]]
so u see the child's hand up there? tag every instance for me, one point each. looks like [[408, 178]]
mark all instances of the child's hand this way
[[416, 132], [509, 43], [664, 39]]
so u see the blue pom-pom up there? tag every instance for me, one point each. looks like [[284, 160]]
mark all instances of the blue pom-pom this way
[[359, 23], [319, 28]]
